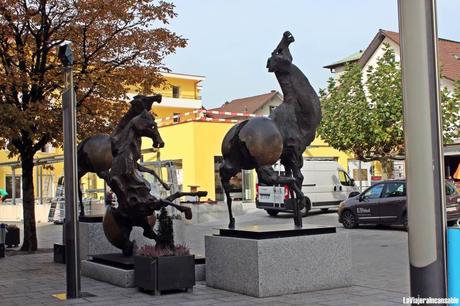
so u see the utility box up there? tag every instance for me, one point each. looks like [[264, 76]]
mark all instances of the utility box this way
[[12, 238], [453, 262]]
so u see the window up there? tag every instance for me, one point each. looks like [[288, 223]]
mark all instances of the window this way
[[175, 91], [17, 186], [374, 192], [176, 119], [394, 189], [345, 180], [272, 108]]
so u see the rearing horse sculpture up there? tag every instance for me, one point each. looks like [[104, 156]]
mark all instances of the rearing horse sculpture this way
[[94, 154], [258, 143], [135, 203]]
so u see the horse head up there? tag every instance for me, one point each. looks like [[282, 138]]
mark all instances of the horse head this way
[[142, 102], [281, 58], [145, 126]]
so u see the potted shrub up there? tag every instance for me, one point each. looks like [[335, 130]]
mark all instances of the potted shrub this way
[[164, 266]]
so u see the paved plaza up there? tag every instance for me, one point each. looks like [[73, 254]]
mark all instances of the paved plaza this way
[[380, 271]]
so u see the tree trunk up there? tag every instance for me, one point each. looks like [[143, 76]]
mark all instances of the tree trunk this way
[[387, 168], [28, 203]]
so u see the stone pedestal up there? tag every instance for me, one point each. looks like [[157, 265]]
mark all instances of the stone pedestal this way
[[94, 242], [264, 266], [112, 274]]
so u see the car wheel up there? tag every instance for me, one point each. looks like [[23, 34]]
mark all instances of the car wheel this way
[[349, 219], [272, 213], [405, 222]]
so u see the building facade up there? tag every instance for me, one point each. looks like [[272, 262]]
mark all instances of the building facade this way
[[449, 61]]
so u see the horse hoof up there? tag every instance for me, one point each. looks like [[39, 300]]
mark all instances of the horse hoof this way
[[188, 213], [301, 202], [231, 225]]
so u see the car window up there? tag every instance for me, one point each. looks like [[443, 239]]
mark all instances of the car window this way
[[344, 179], [394, 189], [374, 192]]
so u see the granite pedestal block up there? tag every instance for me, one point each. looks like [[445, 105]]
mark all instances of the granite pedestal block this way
[[119, 270], [94, 242], [112, 275], [276, 266]]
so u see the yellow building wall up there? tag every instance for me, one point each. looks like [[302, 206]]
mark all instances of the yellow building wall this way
[[196, 144], [188, 88], [55, 170], [161, 111]]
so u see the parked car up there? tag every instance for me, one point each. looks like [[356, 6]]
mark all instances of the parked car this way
[[385, 203], [325, 185]]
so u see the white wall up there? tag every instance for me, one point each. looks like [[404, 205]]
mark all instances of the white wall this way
[[265, 110], [14, 213]]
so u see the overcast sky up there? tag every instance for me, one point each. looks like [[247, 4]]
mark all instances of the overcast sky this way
[[229, 41]]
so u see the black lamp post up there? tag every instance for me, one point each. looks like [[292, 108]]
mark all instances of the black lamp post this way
[[70, 173]]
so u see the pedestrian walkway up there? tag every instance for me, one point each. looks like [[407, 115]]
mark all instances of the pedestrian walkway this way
[[380, 271], [33, 279]]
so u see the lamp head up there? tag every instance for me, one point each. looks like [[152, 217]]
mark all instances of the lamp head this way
[[65, 54]]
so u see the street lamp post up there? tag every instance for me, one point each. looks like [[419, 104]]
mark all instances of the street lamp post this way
[[423, 145], [72, 255]]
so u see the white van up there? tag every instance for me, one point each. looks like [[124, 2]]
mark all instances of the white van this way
[[325, 184]]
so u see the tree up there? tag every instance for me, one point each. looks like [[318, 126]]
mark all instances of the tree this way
[[364, 115], [451, 116], [116, 45]]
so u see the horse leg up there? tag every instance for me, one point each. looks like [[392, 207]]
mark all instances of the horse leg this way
[[152, 172], [80, 194], [148, 229], [158, 204], [294, 164], [226, 172], [179, 194]]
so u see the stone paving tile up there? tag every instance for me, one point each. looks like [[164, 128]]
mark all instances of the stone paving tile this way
[[39, 277]]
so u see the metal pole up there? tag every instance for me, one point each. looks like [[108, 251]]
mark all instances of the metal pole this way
[[360, 178], [13, 186], [70, 174], [423, 144]]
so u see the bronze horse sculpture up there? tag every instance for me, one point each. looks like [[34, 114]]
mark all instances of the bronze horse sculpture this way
[[258, 143], [135, 203], [94, 154]]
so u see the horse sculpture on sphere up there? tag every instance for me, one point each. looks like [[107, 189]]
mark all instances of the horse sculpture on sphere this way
[[258, 143], [94, 154]]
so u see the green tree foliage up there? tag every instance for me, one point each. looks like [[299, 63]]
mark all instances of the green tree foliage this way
[[451, 114], [116, 45], [363, 113]]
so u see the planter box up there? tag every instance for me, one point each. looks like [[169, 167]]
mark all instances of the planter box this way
[[158, 274]]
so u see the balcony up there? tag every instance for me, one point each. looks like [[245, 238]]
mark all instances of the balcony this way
[[183, 101]]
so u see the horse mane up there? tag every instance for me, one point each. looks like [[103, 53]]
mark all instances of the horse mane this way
[[137, 106]]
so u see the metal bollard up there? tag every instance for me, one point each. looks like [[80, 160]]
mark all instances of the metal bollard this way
[[3, 231], [453, 261]]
